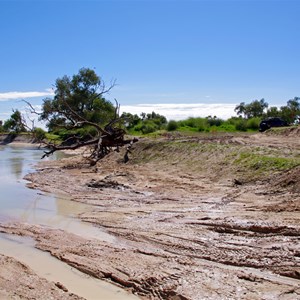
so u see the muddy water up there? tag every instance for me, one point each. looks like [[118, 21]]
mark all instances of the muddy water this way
[[44, 265], [19, 203]]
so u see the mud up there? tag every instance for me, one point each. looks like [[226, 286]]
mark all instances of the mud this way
[[28, 285], [191, 219]]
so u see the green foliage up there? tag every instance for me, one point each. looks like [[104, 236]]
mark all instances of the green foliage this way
[[273, 111], [266, 163], [130, 120], [253, 123], [291, 111], [148, 127], [214, 121], [214, 124], [83, 133], [252, 110], [241, 125], [39, 134], [225, 127], [194, 124], [77, 98], [15, 123], [145, 124], [53, 138], [172, 125], [256, 109]]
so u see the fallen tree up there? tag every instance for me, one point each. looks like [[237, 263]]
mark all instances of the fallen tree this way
[[87, 118]]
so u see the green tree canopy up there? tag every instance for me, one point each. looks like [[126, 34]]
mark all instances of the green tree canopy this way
[[252, 110], [15, 122], [78, 100], [291, 111], [85, 118]]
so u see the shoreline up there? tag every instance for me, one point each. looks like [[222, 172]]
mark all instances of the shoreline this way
[[183, 231], [6, 138]]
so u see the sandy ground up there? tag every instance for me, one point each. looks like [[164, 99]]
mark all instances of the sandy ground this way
[[17, 281], [191, 219]]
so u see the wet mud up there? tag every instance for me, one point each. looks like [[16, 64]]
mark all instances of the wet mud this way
[[189, 220]]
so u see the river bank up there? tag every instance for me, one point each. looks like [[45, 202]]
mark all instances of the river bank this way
[[16, 138], [213, 217]]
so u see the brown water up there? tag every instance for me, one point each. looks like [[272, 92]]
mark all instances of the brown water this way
[[46, 266], [19, 203]]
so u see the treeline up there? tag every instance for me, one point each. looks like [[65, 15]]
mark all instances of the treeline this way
[[260, 108], [80, 114], [139, 125], [249, 117]]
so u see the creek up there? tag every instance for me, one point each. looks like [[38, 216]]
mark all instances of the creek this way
[[21, 204]]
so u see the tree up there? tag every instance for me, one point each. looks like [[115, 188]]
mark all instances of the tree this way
[[78, 99], [252, 110], [15, 123], [291, 111], [79, 105], [256, 108], [146, 123], [294, 107], [240, 109], [273, 111], [130, 119]]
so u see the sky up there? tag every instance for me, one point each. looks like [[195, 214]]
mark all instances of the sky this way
[[178, 58]]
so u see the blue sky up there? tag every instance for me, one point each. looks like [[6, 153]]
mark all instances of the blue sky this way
[[195, 53]]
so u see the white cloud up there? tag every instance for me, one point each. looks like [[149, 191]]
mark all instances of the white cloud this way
[[21, 95], [184, 111]]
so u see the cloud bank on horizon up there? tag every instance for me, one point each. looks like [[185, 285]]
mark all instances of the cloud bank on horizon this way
[[183, 111], [172, 111]]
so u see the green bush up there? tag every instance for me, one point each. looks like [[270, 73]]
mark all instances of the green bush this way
[[172, 125], [226, 127], [214, 121], [198, 124], [241, 125], [148, 128], [253, 123], [39, 134]]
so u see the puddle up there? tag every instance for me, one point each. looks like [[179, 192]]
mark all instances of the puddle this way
[[46, 266]]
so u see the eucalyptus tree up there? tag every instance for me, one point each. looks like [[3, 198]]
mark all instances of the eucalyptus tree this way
[[79, 105]]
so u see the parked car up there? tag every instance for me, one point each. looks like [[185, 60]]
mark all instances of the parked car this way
[[271, 122]]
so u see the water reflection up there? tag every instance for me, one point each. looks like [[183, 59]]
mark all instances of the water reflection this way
[[17, 202], [16, 164]]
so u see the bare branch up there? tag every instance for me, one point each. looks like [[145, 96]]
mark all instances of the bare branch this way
[[32, 110]]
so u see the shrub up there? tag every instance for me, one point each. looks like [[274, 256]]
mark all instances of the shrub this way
[[39, 134], [253, 123], [241, 125], [214, 121], [172, 125], [148, 128]]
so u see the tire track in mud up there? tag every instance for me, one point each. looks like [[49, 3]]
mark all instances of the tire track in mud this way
[[183, 234]]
